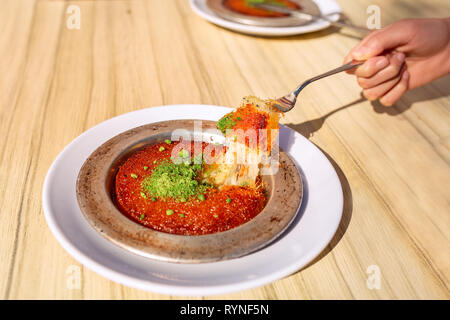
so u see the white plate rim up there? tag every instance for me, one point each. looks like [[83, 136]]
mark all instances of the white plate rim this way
[[327, 7], [190, 290]]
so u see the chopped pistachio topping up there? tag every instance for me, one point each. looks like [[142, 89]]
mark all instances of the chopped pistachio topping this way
[[133, 175], [183, 153], [177, 181], [198, 158], [226, 122]]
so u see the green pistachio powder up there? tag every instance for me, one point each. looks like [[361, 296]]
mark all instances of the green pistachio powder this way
[[225, 123], [177, 180]]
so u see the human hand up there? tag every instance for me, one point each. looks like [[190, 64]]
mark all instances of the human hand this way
[[402, 56]]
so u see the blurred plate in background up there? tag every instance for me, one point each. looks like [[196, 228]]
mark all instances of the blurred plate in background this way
[[329, 8]]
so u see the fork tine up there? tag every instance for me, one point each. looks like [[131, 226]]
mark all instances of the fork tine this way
[[283, 104], [282, 108], [286, 103]]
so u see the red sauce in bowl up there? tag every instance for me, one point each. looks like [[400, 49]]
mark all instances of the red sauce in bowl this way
[[194, 217], [245, 7]]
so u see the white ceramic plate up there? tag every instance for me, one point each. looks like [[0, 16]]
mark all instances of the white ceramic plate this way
[[313, 228], [329, 8]]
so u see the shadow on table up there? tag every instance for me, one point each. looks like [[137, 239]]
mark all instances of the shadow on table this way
[[308, 128], [438, 89], [307, 36], [347, 206], [346, 211], [425, 93], [349, 33], [311, 35]]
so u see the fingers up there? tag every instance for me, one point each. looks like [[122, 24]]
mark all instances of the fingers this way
[[380, 83], [362, 44], [383, 75], [396, 93], [389, 92], [375, 43], [371, 76], [386, 39], [376, 92], [370, 67]]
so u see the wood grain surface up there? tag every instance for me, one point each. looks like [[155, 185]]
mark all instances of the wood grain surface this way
[[393, 162]]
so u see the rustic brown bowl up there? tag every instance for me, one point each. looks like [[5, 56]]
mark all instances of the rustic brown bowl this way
[[95, 197]]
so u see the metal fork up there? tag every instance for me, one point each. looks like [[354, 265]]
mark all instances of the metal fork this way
[[287, 102], [310, 17]]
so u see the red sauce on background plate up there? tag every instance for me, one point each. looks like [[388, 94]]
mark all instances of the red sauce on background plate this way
[[245, 7]]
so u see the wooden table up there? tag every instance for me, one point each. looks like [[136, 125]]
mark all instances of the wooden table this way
[[393, 162]]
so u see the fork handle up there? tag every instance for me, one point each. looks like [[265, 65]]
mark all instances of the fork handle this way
[[310, 17], [362, 30], [350, 65]]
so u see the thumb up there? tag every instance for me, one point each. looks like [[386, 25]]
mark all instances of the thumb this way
[[375, 43]]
